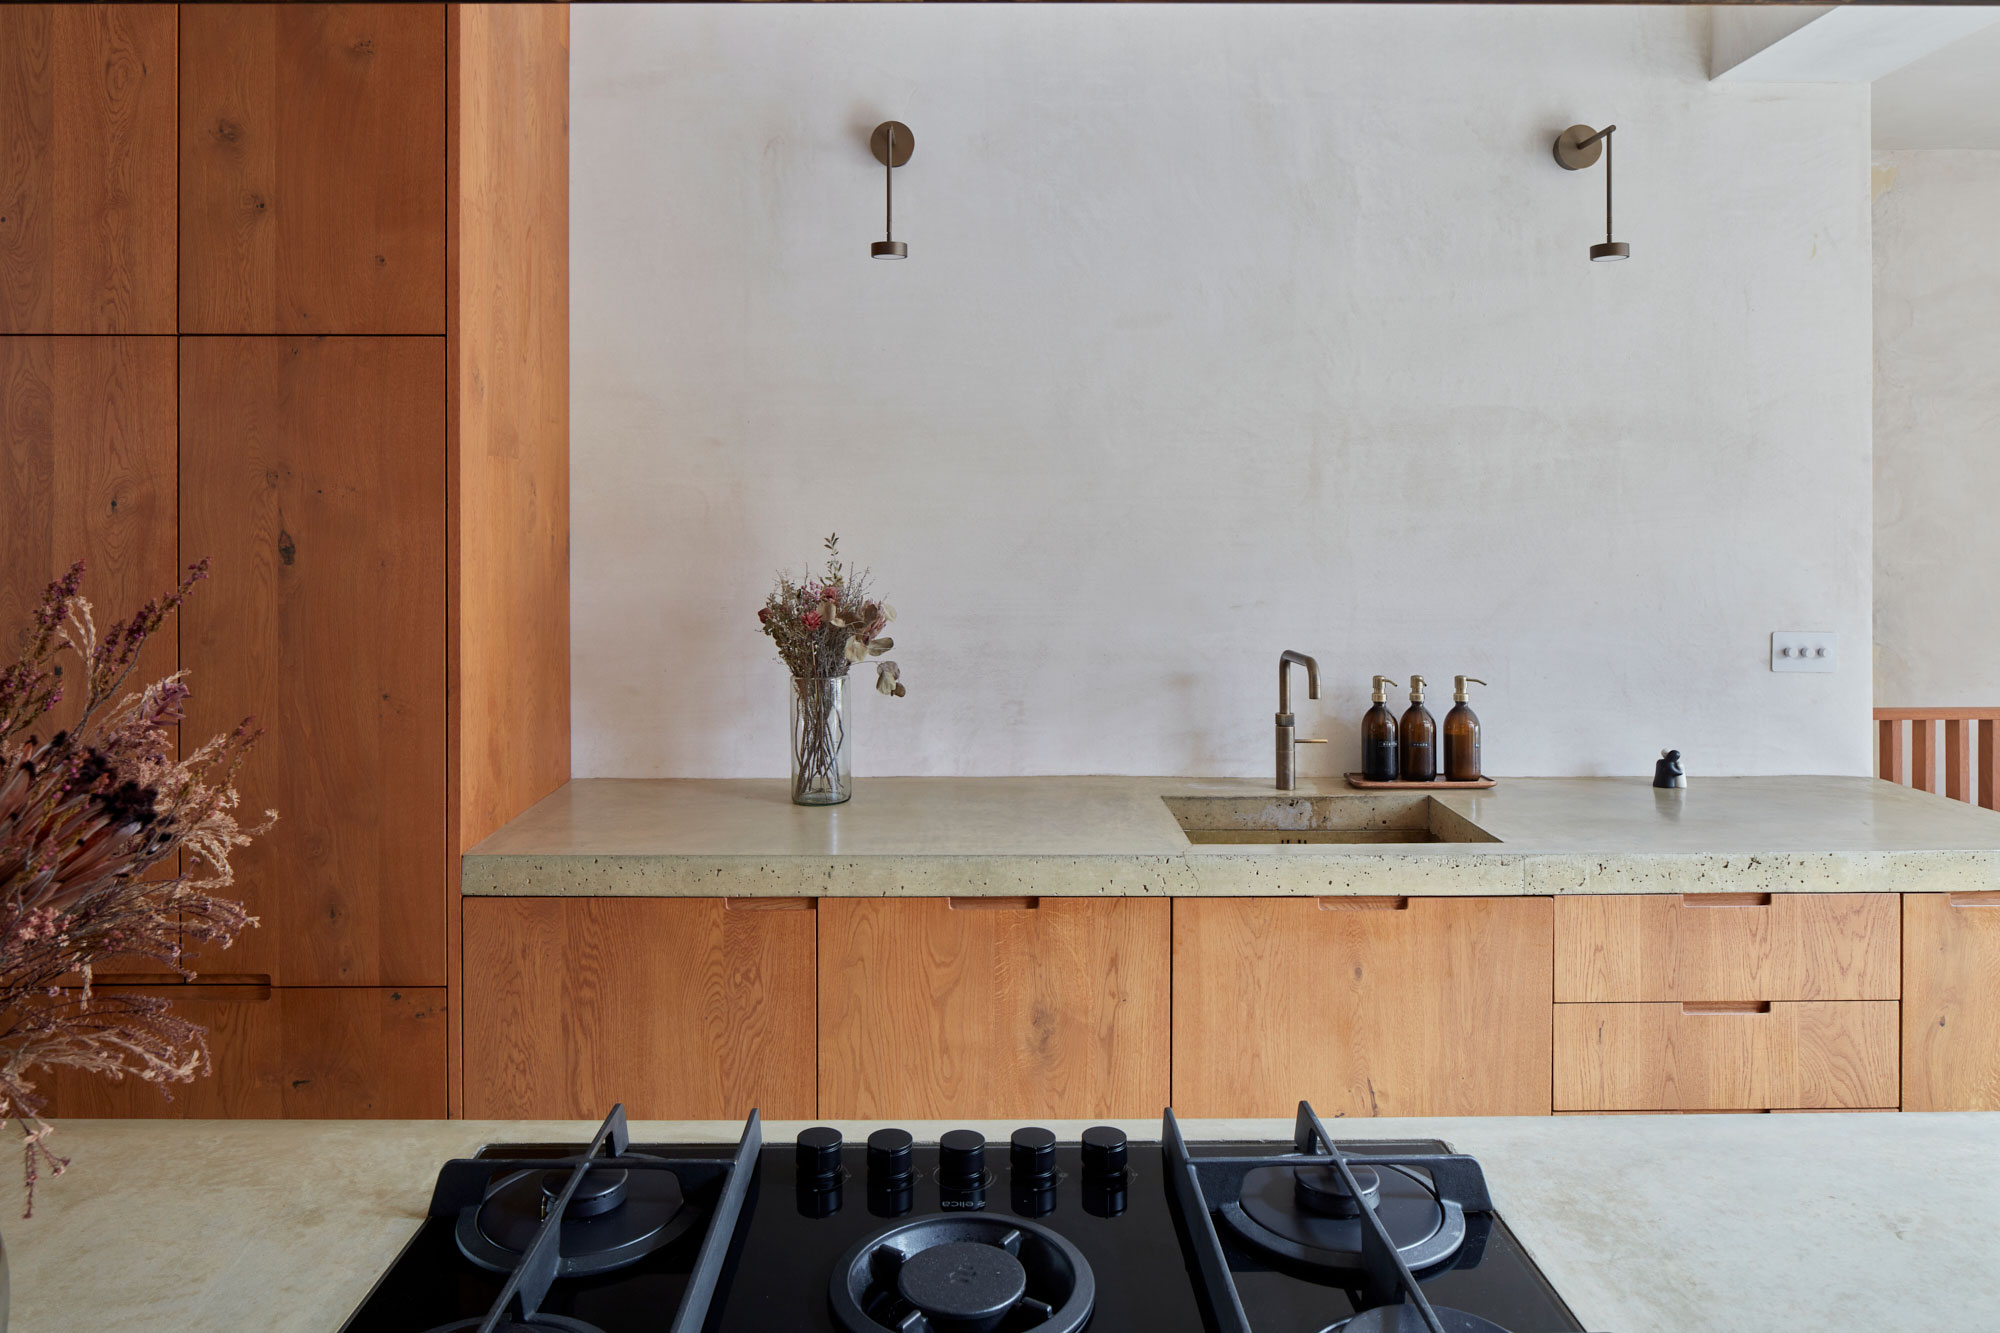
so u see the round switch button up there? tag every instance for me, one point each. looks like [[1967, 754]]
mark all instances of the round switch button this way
[[962, 1158]]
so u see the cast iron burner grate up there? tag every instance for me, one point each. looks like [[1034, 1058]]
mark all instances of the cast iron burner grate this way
[[600, 1210], [963, 1273], [1373, 1221]]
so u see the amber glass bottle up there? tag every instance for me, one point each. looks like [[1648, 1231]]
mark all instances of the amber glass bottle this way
[[1461, 736], [1378, 736], [1418, 741]]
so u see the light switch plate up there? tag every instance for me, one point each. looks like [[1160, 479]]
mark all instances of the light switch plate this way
[[1804, 650]]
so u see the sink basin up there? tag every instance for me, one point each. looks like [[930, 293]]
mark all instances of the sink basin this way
[[1363, 818]]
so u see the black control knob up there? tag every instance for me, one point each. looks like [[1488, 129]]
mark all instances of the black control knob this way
[[962, 1159], [1032, 1153], [818, 1153], [1103, 1150], [889, 1153]]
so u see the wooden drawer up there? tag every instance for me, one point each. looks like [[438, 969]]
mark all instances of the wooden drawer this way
[[682, 1008], [1715, 1057], [1727, 946], [1951, 1002], [1000, 1007], [1364, 1006]]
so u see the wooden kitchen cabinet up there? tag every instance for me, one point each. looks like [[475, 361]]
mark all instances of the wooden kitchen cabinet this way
[[312, 168], [1363, 1006], [1720, 1057], [682, 1008], [1008, 1007], [311, 1053], [1728, 946], [312, 472], [87, 154], [1951, 1001]]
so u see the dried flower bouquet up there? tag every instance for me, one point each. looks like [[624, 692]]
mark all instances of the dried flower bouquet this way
[[84, 815], [823, 624]]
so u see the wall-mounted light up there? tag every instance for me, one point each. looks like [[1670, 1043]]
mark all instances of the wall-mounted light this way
[[1576, 148], [892, 143]]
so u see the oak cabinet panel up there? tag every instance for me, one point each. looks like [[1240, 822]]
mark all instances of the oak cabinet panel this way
[[313, 1053], [87, 472], [1951, 1001], [1721, 946], [312, 161], [1050, 1007], [1694, 1057], [682, 1008], [1419, 1006], [312, 471], [87, 169]]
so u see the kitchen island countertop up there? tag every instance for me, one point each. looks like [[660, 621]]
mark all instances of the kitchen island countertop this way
[[1643, 1223], [1111, 836]]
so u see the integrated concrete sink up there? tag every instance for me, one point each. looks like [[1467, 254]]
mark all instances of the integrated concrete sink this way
[[1364, 817]]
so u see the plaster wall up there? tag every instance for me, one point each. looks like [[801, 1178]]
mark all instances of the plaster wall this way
[[1937, 428], [1225, 330]]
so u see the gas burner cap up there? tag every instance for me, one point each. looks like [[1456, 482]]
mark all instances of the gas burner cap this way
[[963, 1273], [1289, 1211], [1405, 1319], [541, 1323], [616, 1218]]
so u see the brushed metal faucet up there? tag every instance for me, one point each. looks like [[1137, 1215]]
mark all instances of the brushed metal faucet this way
[[1288, 773]]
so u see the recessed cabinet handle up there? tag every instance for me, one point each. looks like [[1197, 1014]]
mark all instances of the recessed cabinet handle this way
[[1692, 1007], [1977, 898], [993, 904], [769, 904], [1360, 904], [1725, 900]]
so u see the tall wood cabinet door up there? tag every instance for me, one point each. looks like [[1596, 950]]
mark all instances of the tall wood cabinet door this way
[[312, 164], [1049, 1007], [312, 472], [1951, 1001], [87, 168], [682, 1008], [1417, 1006], [87, 473]]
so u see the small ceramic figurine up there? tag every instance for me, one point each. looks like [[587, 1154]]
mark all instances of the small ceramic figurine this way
[[1667, 773]]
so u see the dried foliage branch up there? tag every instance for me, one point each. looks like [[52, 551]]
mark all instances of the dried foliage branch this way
[[84, 816]]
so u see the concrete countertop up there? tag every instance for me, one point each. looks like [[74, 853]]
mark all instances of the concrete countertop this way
[[1713, 1222], [1074, 836]]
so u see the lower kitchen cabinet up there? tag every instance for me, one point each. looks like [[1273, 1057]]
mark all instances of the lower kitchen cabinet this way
[[1951, 1001], [1364, 1006], [682, 1008], [1725, 1056], [289, 1053], [994, 1007]]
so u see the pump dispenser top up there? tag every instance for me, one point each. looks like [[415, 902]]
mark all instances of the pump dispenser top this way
[[1459, 695], [1382, 684]]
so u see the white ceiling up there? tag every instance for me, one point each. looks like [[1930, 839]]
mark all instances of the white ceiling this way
[[1948, 99]]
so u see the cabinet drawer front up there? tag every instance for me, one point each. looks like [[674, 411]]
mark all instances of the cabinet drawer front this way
[[1951, 1001], [1695, 1057], [1724, 947], [1419, 1006]]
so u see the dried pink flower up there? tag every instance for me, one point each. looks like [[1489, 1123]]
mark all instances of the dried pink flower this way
[[812, 620]]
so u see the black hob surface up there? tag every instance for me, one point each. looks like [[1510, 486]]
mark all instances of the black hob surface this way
[[807, 1233]]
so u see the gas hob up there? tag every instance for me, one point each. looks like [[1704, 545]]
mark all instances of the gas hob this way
[[819, 1235]]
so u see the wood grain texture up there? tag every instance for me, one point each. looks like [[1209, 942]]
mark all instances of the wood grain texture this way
[[1442, 1008], [87, 473], [1062, 1009], [312, 470], [678, 1007], [312, 150], [1664, 1057], [1951, 1002], [1989, 764], [1889, 750], [1923, 754], [334, 1053], [87, 108], [1795, 946]]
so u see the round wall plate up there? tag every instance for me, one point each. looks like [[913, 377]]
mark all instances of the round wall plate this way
[[906, 143], [1568, 152]]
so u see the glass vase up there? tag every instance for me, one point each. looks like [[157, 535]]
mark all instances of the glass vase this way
[[820, 731]]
